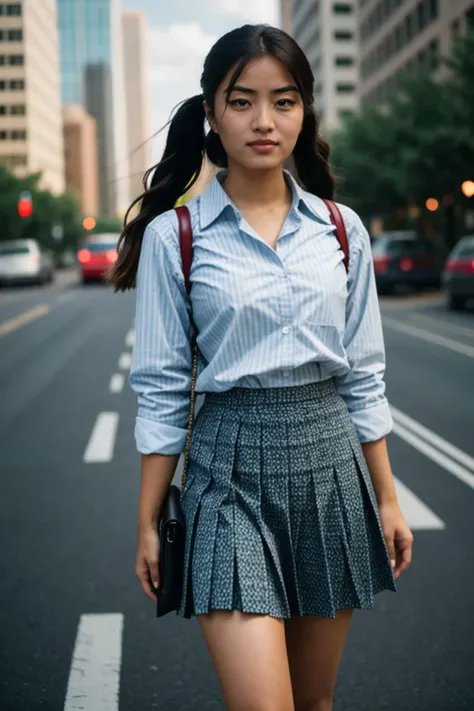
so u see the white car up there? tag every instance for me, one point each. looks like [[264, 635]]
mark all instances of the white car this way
[[24, 261]]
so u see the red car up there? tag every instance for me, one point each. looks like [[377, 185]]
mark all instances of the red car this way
[[96, 256]]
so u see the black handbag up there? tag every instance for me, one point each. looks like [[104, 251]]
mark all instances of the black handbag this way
[[172, 525]]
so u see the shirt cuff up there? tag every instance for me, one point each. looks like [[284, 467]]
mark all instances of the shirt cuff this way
[[373, 423], [154, 437]]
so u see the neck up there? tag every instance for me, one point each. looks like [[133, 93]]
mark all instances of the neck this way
[[253, 188]]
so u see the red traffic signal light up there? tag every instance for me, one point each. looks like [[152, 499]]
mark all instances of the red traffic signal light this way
[[25, 207]]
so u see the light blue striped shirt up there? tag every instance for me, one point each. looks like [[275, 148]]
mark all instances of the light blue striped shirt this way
[[265, 317]]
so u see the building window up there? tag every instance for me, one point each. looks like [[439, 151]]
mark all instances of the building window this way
[[345, 113], [343, 35], [342, 8], [434, 55], [2, 59], [18, 135], [17, 84], [14, 9], [18, 110], [433, 9], [470, 19], [2, 85], [343, 61], [345, 88], [3, 134], [3, 110], [15, 60], [15, 35]]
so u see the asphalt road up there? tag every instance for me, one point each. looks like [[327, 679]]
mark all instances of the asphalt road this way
[[75, 631]]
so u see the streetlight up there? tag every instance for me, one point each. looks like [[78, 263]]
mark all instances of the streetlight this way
[[432, 204], [468, 188], [88, 223]]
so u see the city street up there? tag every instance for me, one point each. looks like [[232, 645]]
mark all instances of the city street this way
[[75, 630]]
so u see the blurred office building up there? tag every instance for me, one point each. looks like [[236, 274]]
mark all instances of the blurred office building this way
[[31, 133], [80, 150], [92, 75], [406, 35], [135, 57], [327, 32], [285, 15]]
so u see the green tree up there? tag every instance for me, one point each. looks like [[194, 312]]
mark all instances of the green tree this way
[[420, 145]]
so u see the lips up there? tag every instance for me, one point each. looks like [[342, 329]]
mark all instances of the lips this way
[[263, 143]]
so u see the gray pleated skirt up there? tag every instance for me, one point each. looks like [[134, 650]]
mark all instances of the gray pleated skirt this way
[[280, 511]]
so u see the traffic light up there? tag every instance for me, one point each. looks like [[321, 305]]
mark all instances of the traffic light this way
[[25, 204], [88, 223]]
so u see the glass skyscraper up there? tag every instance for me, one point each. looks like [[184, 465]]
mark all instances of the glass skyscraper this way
[[91, 52]]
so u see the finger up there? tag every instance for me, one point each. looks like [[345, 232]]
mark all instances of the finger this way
[[390, 543], [404, 555], [148, 590], [154, 575], [143, 574]]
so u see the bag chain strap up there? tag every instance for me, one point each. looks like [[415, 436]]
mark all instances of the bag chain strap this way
[[191, 414]]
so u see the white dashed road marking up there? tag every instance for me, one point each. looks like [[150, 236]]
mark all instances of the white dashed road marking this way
[[94, 678], [125, 361], [116, 383], [100, 447], [130, 339]]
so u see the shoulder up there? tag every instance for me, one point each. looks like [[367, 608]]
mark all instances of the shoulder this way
[[357, 234]]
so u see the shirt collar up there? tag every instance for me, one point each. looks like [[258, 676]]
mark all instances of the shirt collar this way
[[214, 200]]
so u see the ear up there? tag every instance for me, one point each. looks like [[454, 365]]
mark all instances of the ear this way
[[210, 117]]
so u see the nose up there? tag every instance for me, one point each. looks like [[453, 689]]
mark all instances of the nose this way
[[263, 118]]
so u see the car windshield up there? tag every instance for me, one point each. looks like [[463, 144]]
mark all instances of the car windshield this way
[[401, 246], [100, 246], [9, 251], [465, 250]]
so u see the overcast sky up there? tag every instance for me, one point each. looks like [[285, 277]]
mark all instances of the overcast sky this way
[[180, 34]]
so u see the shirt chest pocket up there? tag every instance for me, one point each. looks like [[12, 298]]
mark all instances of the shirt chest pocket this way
[[321, 285]]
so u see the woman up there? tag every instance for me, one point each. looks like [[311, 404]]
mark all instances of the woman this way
[[291, 512]]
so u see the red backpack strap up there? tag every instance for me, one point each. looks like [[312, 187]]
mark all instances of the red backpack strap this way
[[341, 233], [185, 241]]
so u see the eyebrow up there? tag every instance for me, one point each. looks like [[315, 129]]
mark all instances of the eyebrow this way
[[280, 90]]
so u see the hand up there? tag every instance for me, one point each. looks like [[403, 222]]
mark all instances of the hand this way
[[398, 537], [146, 568]]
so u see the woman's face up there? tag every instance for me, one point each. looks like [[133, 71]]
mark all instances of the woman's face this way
[[261, 123]]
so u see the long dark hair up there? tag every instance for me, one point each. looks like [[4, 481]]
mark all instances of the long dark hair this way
[[187, 141]]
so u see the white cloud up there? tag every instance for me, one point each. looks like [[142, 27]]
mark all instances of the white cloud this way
[[177, 54], [252, 10]]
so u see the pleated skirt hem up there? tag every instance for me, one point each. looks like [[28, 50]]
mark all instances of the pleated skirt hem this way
[[280, 511]]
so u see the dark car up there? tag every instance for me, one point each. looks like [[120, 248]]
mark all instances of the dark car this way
[[404, 259], [97, 255], [458, 275]]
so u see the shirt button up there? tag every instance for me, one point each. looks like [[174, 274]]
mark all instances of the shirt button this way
[[285, 329], [286, 373]]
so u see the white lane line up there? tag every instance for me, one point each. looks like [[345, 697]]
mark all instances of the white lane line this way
[[125, 361], [116, 383], [418, 516], [437, 441], [100, 447], [455, 327], [130, 338], [429, 337], [94, 678], [436, 456]]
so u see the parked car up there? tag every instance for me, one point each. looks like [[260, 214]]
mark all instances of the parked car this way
[[458, 275], [404, 259], [24, 261], [97, 255]]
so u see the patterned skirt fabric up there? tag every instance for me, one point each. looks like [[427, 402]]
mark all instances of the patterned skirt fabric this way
[[280, 511]]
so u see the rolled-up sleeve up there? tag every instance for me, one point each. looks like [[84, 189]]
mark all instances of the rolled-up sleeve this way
[[162, 357], [363, 386]]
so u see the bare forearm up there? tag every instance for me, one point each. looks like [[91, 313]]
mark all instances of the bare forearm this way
[[378, 463], [156, 473]]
